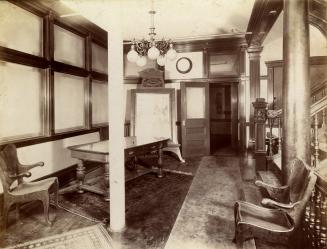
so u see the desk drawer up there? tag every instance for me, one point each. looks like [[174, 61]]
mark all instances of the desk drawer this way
[[142, 150]]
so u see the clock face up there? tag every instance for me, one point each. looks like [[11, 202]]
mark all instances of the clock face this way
[[184, 65]]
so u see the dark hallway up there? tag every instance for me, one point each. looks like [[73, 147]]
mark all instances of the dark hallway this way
[[220, 120]]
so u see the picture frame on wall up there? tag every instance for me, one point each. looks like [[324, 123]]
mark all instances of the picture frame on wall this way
[[224, 64]]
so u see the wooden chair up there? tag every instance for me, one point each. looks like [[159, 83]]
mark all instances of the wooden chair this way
[[289, 192], [10, 171], [279, 225]]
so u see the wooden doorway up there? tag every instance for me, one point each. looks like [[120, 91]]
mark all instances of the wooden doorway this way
[[223, 118], [195, 118]]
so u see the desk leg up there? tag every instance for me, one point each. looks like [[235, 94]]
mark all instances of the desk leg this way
[[160, 173], [80, 175], [106, 182]]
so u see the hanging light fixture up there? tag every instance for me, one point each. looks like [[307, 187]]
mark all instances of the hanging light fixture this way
[[154, 49]]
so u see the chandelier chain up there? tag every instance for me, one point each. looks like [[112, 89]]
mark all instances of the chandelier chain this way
[[154, 49]]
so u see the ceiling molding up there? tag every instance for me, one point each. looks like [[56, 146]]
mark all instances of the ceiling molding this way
[[263, 16], [222, 44], [313, 60], [265, 13]]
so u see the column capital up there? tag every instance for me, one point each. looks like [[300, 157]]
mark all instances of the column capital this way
[[254, 52], [244, 46]]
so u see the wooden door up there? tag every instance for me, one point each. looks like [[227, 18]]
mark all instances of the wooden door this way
[[195, 118]]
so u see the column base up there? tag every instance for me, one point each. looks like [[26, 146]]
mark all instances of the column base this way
[[116, 230], [260, 161]]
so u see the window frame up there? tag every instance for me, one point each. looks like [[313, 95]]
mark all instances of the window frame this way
[[48, 63]]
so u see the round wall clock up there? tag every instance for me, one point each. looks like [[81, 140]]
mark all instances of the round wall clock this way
[[184, 65]]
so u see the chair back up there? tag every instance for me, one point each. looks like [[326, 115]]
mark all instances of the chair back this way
[[308, 184], [299, 173], [9, 166]]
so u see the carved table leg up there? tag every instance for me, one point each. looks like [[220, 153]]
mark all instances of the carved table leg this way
[[106, 181], [160, 173], [80, 175], [176, 151]]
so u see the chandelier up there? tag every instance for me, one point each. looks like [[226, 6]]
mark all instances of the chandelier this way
[[154, 49]]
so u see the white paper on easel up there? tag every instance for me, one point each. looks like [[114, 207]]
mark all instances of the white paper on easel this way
[[152, 117]]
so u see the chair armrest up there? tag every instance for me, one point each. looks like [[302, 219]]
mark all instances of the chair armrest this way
[[271, 203], [24, 174], [280, 194], [27, 167]]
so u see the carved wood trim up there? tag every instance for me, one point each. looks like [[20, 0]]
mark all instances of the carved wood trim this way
[[265, 13], [313, 60], [212, 45], [263, 16]]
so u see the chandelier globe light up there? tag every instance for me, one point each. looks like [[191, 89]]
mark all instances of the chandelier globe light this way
[[132, 55], [153, 53], [161, 60], [154, 49], [141, 61], [171, 54]]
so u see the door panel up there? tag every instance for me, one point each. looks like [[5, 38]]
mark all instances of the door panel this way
[[195, 118], [195, 110]]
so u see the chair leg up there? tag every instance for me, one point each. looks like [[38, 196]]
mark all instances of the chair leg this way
[[17, 211], [238, 237], [235, 221], [46, 201], [6, 208], [55, 192]]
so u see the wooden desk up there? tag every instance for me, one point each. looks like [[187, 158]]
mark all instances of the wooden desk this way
[[99, 152]]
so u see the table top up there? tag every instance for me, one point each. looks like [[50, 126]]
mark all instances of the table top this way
[[130, 142]]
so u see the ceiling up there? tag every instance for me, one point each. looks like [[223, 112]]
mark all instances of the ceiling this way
[[174, 18]]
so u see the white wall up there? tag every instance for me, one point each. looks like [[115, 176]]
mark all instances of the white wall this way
[[55, 154], [318, 43]]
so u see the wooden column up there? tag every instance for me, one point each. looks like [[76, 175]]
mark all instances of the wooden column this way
[[242, 100], [254, 56], [296, 86], [260, 110], [116, 142]]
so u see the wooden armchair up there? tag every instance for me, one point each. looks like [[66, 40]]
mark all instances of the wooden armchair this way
[[10, 171], [279, 225], [289, 192]]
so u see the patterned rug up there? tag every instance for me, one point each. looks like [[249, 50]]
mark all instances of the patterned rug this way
[[152, 205], [93, 237], [139, 192]]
